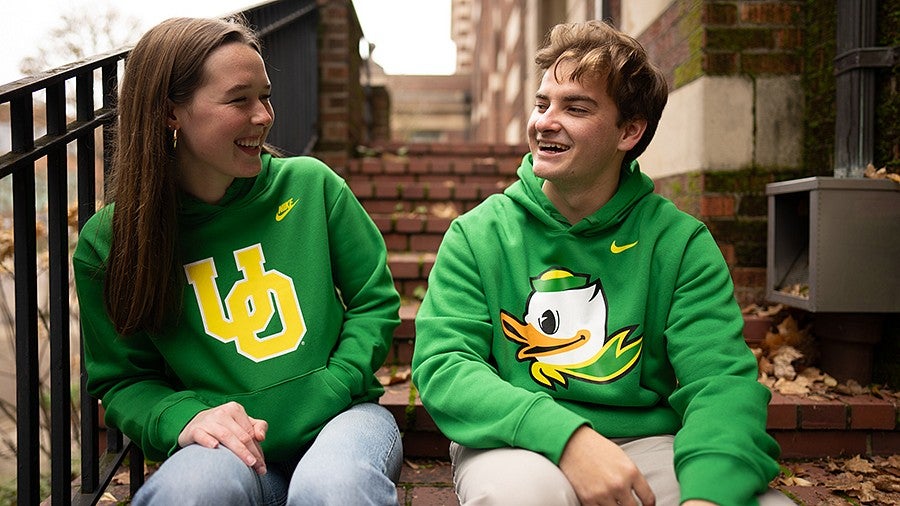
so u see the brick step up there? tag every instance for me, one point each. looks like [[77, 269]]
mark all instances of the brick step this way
[[410, 271], [412, 231], [460, 161], [393, 195], [805, 427]]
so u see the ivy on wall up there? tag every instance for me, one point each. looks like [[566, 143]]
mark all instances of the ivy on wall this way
[[887, 94]]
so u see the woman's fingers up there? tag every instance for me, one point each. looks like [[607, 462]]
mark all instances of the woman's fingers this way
[[228, 425]]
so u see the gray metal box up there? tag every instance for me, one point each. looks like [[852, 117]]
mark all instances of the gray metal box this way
[[840, 237]]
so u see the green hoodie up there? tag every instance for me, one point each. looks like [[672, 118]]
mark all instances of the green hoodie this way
[[625, 321], [288, 309]]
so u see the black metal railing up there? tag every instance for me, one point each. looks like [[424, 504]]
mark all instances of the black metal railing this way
[[20, 164]]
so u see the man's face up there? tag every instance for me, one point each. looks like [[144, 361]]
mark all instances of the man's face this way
[[572, 131]]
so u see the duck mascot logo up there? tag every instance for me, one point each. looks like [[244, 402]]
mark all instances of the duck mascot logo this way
[[563, 332]]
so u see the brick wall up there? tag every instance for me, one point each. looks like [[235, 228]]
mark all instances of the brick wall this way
[[733, 205], [696, 38], [341, 97], [693, 38]]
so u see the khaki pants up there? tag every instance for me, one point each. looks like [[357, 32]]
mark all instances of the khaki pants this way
[[522, 477]]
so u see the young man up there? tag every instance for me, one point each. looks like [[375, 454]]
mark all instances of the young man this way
[[579, 340]]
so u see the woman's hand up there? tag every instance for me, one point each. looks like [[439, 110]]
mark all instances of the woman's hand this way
[[601, 473], [230, 426]]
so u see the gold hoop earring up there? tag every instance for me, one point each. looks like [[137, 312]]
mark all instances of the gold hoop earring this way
[[174, 138]]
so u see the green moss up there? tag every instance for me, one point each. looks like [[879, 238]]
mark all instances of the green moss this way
[[887, 95], [690, 25], [740, 230], [818, 83]]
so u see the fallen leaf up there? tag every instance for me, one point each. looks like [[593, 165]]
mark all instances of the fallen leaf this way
[[859, 465], [398, 376], [782, 359], [887, 483]]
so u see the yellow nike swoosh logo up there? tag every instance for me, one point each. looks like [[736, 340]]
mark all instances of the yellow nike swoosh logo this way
[[618, 249], [285, 208]]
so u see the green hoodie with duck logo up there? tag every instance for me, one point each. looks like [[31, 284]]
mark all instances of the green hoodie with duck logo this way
[[625, 321]]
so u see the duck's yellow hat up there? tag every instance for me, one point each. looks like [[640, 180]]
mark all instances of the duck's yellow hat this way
[[557, 279]]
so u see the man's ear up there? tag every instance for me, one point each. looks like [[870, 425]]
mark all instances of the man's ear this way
[[632, 133]]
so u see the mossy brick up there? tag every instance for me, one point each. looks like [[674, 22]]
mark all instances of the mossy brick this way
[[750, 180], [720, 14], [770, 63], [721, 63], [788, 38], [688, 71], [739, 229], [770, 13], [717, 206], [752, 206], [738, 39], [751, 253]]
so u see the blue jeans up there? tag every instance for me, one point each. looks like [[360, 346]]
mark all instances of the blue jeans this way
[[355, 460]]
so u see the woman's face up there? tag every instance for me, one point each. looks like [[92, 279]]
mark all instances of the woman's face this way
[[221, 129]]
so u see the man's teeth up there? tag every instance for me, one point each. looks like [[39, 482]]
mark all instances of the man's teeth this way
[[549, 146], [249, 144]]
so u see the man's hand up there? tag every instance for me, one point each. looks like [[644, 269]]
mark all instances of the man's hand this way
[[601, 473], [230, 426]]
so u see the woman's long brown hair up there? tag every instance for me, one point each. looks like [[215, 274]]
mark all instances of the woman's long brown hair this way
[[166, 66]]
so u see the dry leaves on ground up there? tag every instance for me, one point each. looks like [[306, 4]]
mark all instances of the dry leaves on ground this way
[[874, 480], [786, 357], [881, 173]]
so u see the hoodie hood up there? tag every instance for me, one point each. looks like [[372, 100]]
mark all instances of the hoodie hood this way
[[528, 192]]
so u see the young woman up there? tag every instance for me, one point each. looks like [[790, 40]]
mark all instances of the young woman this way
[[235, 306]]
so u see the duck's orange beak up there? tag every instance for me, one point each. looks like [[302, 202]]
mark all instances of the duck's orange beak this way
[[538, 344]]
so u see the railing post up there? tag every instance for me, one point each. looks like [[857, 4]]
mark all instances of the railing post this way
[[58, 243], [27, 418]]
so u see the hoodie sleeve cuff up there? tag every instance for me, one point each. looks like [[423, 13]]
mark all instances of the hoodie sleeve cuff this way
[[161, 440], [533, 432], [706, 478]]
